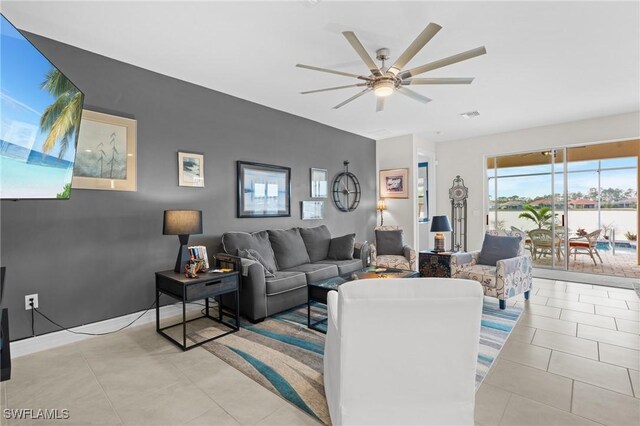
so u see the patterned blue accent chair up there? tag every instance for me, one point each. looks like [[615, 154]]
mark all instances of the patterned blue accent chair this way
[[509, 278]]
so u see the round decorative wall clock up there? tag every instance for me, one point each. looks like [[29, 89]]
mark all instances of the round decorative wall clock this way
[[346, 190]]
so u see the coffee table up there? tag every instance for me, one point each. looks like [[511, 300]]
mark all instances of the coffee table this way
[[317, 291]]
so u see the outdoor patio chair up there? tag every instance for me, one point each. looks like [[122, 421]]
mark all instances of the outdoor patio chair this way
[[542, 241], [585, 245]]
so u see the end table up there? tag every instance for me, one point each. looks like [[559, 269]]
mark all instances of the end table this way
[[432, 264], [206, 285]]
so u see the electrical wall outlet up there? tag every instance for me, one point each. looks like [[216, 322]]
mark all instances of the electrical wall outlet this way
[[27, 301]]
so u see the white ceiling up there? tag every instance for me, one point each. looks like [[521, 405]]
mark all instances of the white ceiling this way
[[547, 62]]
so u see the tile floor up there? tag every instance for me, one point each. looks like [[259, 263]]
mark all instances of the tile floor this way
[[574, 358]]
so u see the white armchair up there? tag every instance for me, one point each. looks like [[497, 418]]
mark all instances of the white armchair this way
[[402, 351]]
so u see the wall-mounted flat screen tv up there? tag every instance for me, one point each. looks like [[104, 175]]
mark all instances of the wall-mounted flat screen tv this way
[[40, 111]]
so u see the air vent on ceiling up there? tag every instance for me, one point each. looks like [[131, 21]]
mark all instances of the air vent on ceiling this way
[[470, 114]]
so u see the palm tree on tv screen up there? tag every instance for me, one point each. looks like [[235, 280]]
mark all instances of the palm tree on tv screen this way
[[62, 117]]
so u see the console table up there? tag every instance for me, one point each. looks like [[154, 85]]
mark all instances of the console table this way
[[206, 285], [432, 264]]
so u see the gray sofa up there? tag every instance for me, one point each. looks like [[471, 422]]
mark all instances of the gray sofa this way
[[296, 256]]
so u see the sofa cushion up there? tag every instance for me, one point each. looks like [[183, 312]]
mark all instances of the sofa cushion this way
[[484, 274], [285, 281], [317, 241], [288, 247], [316, 271], [390, 242], [258, 241], [496, 248], [344, 266], [391, 261], [341, 248], [252, 254]]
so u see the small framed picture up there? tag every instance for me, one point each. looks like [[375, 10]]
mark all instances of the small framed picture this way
[[394, 183], [319, 183], [312, 210], [190, 169]]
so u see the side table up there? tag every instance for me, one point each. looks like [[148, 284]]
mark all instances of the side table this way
[[206, 285], [432, 264]]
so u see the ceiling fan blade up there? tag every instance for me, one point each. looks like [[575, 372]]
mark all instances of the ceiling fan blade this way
[[444, 62], [333, 88], [380, 103], [362, 52], [413, 95], [346, 74], [412, 81], [356, 96], [425, 36]]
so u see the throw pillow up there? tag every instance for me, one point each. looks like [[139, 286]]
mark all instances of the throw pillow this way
[[496, 248], [317, 241], [252, 254], [341, 248], [288, 247], [390, 242], [258, 241]]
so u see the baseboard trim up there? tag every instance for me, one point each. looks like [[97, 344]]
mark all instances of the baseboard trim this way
[[60, 338]]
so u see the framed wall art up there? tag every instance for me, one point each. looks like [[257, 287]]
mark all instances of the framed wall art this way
[[190, 169], [319, 179], [394, 183], [106, 154], [264, 190], [312, 210]]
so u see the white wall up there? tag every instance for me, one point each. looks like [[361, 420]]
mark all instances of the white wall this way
[[395, 153], [426, 151], [466, 157]]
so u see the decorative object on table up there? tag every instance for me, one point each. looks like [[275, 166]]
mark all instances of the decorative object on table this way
[[264, 190], [587, 244], [580, 232], [312, 210], [200, 253], [394, 183], [190, 169], [389, 250], [432, 264], [319, 179], [509, 276], [458, 194], [346, 190], [192, 268], [182, 223], [439, 224], [106, 153], [381, 207]]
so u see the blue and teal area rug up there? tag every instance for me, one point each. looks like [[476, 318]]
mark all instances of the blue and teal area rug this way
[[284, 356]]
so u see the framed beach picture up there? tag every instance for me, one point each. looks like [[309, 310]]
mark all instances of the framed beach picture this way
[[312, 210], [106, 153], [394, 183], [190, 169], [264, 190], [319, 183]]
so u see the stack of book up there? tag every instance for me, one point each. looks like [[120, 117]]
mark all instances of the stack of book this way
[[199, 253]]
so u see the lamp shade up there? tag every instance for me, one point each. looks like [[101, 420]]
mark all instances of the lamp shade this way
[[182, 222], [440, 224]]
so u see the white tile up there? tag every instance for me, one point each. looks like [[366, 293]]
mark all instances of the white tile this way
[[522, 333], [590, 371], [532, 383], [525, 412], [558, 294], [583, 286], [574, 306], [526, 354], [289, 415], [627, 295], [618, 355], [588, 319], [635, 382], [603, 301], [564, 343], [550, 324], [588, 292], [604, 406], [628, 326], [634, 306], [618, 313], [536, 309], [490, 404], [619, 338]]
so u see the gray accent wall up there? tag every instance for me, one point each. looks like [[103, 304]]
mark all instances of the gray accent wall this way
[[93, 257]]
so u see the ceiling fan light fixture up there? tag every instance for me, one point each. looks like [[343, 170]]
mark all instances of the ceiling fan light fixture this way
[[383, 88]]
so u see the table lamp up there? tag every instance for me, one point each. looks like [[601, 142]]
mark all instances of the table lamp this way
[[182, 223], [381, 207], [439, 224]]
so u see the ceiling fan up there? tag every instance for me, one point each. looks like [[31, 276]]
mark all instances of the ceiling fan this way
[[384, 81]]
